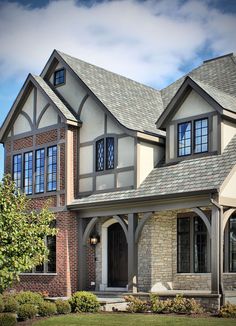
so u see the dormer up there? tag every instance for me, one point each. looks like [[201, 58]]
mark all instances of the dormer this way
[[199, 121]]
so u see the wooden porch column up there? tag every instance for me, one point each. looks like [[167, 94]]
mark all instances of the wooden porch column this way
[[132, 254], [215, 250], [82, 257]]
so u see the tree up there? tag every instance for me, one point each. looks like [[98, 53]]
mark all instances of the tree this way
[[22, 233]]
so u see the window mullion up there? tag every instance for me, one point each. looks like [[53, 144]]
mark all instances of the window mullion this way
[[192, 260]]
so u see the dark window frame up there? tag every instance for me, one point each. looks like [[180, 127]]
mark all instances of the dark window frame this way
[[54, 188], [194, 136], [40, 174], [27, 170], [18, 171], [192, 234], [178, 138], [106, 165], [227, 247], [59, 80]]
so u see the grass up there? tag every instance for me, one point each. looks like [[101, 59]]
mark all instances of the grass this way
[[132, 320]]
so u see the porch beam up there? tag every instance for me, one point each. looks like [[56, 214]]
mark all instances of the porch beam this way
[[202, 215], [215, 250], [226, 216], [132, 254], [142, 222], [123, 224]]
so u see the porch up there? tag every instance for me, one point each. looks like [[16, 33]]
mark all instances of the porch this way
[[152, 252]]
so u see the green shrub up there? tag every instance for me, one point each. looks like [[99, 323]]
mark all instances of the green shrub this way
[[28, 297], [10, 303], [136, 304], [1, 304], [228, 310], [63, 306], [47, 308], [7, 319], [27, 311], [160, 306], [83, 301], [184, 305]]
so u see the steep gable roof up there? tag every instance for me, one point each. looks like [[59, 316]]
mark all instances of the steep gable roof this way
[[48, 92], [134, 105]]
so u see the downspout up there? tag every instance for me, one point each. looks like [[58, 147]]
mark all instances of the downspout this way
[[221, 285]]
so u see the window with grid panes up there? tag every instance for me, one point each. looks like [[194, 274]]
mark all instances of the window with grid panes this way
[[28, 173]]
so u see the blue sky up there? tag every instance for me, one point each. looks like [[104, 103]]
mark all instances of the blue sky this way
[[152, 41]]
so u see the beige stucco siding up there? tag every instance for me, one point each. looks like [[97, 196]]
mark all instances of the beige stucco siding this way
[[49, 118], [125, 152], [21, 125], [193, 105], [112, 127], [86, 159], [149, 156], [93, 119], [28, 107], [229, 187], [41, 103], [228, 130]]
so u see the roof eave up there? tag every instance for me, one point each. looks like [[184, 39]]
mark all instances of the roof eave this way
[[144, 199]]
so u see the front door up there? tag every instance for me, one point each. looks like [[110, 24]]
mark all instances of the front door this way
[[117, 257]]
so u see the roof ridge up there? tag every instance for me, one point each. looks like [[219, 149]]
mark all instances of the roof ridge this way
[[220, 57], [109, 71]]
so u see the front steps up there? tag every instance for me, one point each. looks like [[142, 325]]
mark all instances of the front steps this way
[[112, 301]]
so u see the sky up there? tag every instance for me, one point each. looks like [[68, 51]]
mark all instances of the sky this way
[[151, 41]]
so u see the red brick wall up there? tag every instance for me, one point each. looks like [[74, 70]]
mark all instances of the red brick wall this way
[[46, 137], [66, 278], [66, 262], [22, 143]]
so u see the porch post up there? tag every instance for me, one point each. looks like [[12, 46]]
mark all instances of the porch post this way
[[132, 254], [82, 257], [215, 250]]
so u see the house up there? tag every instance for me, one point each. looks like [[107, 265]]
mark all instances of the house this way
[[142, 181]]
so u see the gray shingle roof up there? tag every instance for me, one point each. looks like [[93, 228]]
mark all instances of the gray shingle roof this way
[[220, 74], [200, 174], [55, 99], [134, 105]]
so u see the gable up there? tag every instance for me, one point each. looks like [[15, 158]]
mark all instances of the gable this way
[[71, 89], [193, 105]]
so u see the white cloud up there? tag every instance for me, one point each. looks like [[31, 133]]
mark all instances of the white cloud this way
[[147, 41]]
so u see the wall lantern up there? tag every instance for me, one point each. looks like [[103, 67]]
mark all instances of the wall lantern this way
[[94, 239]]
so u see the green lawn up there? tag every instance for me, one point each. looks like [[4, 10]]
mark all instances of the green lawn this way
[[132, 320]]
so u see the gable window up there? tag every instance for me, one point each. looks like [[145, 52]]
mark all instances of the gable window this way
[[184, 138], [59, 77], [193, 245], [105, 154], [201, 136], [39, 170], [28, 173], [17, 170], [52, 168], [193, 141]]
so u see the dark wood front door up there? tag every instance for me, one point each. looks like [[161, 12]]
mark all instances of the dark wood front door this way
[[117, 256]]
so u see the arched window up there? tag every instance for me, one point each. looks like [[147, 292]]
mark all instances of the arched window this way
[[105, 154]]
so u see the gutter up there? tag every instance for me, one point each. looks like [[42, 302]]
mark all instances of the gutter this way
[[221, 284]]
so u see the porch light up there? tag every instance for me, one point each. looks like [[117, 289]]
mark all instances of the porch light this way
[[94, 239]]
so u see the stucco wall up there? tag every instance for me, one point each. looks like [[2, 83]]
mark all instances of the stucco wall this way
[[228, 130]]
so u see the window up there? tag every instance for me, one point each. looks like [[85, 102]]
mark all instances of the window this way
[[100, 155], [183, 226], [52, 169], [17, 169], [49, 266], [193, 245], [109, 153], [39, 170], [59, 77], [28, 173], [105, 153], [230, 246], [200, 136], [184, 139]]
